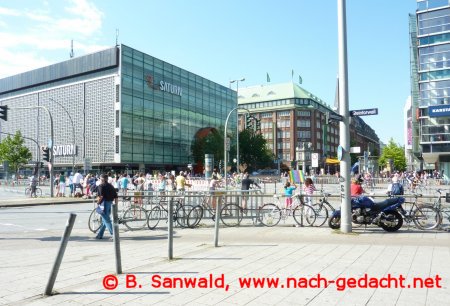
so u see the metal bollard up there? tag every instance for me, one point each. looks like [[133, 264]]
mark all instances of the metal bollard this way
[[170, 228], [116, 239], [216, 221], [60, 255]]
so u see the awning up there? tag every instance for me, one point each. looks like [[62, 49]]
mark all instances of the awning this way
[[430, 158], [332, 161]]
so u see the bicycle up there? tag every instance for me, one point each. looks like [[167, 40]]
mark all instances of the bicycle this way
[[231, 214], [271, 213], [425, 216], [134, 217], [160, 212], [322, 209], [442, 211], [37, 194]]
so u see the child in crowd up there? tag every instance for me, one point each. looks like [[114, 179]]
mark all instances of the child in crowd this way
[[309, 189], [288, 192]]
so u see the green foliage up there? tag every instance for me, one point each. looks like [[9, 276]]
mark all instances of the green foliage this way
[[13, 151], [252, 147], [253, 150], [396, 153], [211, 144]]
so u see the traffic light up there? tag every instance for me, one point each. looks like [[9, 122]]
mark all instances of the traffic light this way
[[248, 121], [46, 154], [4, 112], [258, 125]]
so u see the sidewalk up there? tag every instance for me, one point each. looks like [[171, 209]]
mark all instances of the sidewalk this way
[[19, 202], [244, 252]]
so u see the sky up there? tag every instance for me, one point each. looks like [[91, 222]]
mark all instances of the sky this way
[[227, 40]]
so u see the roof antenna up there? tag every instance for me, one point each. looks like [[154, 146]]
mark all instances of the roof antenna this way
[[71, 49], [117, 37]]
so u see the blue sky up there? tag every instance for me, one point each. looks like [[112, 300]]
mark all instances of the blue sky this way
[[225, 40]]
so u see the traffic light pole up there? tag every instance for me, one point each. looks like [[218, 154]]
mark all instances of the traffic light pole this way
[[51, 140]]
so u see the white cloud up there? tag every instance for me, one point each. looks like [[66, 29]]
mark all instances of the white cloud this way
[[25, 47], [9, 12]]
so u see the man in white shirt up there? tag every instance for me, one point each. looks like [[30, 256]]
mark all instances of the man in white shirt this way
[[77, 178]]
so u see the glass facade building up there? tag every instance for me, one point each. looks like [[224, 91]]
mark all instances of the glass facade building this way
[[129, 108], [433, 64]]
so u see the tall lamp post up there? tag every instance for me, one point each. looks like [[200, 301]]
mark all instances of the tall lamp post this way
[[73, 133], [51, 140], [237, 122]]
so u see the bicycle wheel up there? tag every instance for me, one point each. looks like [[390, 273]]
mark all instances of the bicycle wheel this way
[[269, 215], [426, 217], [182, 215], [135, 218], [95, 221], [195, 216], [305, 212], [321, 214], [153, 217], [231, 215]]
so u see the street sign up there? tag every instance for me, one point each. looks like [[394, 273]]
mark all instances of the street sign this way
[[228, 143], [355, 149], [50, 144], [335, 117], [315, 160], [364, 112]]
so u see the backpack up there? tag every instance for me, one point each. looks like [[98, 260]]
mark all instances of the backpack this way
[[397, 189]]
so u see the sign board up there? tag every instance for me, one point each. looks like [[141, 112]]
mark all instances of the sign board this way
[[87, 164], [335, 117], [364, 112], [315, 160], [50, 144], [355, 149], [228, 143], [439, 111], [64, 150]]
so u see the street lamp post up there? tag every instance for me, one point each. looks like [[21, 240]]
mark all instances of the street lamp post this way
[[51, 140], [237, 122], [73, 133], [225, 161]]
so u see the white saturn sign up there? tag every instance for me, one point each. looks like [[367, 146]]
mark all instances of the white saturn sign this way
[[64, 150]]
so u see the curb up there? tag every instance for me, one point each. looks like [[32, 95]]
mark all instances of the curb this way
[[3, 205]]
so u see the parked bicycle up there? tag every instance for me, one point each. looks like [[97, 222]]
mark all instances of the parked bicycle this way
[[444, 212], [134, 217], [323, 209], [271, 213], [231, 214], [160, 212], [424, 216], [37, 194]]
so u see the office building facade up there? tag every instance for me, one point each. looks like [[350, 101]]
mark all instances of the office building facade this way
[[129, 109], [433, 62], [291, 116]]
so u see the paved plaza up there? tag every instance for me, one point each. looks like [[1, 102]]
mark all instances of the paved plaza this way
[[30, 237]]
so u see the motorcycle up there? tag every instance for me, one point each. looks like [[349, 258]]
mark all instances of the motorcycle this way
[[365, 211]]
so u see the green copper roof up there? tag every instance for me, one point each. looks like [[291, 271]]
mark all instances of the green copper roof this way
[[270, 92]]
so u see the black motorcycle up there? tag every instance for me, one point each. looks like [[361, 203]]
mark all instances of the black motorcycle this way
[[365, 211]]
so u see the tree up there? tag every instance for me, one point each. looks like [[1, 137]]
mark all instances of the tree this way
[[210, 144], [396, 153], [13, 151], [253, 150]]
